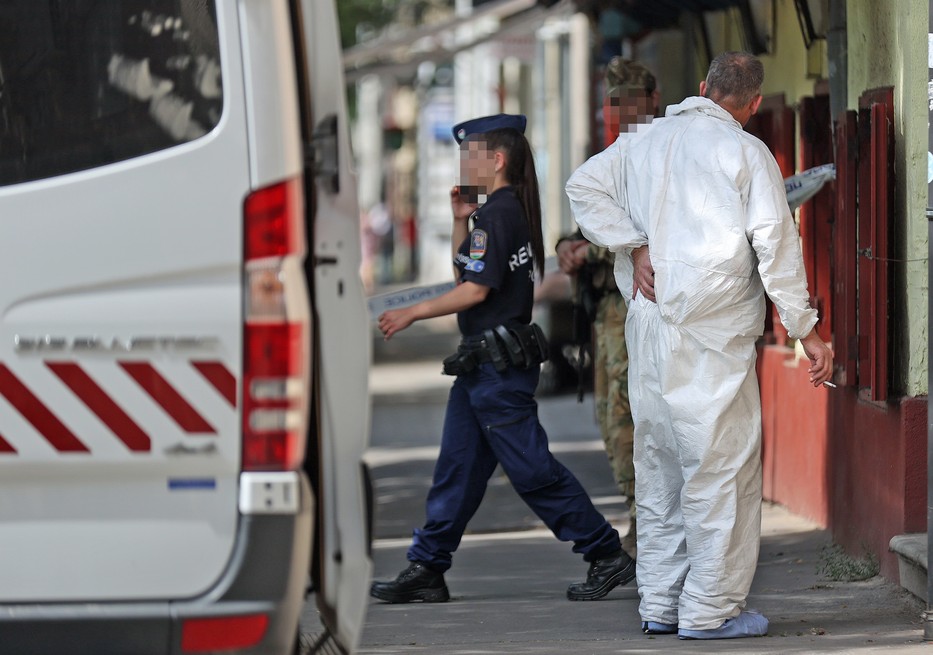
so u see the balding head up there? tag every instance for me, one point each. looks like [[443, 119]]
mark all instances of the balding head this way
[[734, 82], [734, 76]]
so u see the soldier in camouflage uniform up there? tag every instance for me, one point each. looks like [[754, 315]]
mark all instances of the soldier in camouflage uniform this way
[[592, 268]]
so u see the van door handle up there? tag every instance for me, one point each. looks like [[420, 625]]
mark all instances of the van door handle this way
[[323, 260]]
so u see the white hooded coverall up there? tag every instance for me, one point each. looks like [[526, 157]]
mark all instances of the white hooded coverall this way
[[709, 201]]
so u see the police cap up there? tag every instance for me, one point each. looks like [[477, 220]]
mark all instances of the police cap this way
[[487, 123]]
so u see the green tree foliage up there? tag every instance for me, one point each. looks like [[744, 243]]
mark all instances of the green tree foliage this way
[[366, 14]]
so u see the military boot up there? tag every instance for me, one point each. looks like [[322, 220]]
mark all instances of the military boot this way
[[417, 582], [630, 540], [604, 575]]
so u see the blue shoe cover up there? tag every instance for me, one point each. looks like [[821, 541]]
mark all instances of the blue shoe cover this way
[[655, 628], [747, 624]]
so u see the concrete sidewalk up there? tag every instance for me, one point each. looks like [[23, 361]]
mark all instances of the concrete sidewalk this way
[[508, 588], [508, 597]]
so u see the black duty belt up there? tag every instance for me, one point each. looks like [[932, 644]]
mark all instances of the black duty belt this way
[[523, 346]]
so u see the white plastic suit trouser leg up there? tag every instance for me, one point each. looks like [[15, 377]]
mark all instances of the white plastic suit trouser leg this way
[[697, 417]]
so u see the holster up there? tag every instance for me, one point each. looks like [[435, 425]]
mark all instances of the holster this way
[[513, 347], [491, 352], [460, 363], [534, 343], [525, 345]]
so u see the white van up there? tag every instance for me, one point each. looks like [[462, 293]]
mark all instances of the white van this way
[[183, 335]]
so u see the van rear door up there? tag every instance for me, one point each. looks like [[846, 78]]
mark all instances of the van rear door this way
[[342, 330], [123, 169]]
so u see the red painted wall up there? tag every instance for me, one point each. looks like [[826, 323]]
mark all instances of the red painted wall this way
[[794, 435], [878, 474], [857, 467]]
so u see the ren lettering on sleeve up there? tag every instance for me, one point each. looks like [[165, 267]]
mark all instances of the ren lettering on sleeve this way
[[521, 256]]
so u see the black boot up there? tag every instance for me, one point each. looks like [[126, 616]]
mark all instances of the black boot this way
[[417, 582], [604, 575]]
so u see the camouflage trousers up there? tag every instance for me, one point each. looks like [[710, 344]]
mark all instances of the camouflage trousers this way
[[610, 390]]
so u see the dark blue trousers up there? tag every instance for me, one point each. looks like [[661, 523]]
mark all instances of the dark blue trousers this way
[[492, 418]]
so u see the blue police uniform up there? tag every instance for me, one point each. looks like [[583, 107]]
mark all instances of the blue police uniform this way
[[492, 416]]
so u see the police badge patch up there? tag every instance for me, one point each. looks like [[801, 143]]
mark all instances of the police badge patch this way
[[475, 266], [477, 244]]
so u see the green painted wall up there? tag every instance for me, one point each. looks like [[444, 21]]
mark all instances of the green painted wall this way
[[786, 62], [786, 66], [888, 47]]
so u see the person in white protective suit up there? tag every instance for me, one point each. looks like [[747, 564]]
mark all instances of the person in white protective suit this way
[[695, 210]]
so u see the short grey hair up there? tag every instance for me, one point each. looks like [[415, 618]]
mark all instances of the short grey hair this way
[[736, 76]]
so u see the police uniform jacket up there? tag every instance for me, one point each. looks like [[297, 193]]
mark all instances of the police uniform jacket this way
[[497, 254]]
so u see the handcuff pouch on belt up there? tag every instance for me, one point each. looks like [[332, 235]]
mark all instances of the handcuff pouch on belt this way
[[523, 347]]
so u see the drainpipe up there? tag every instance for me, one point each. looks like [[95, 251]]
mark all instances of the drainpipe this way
[[837, 45], [928, 615]]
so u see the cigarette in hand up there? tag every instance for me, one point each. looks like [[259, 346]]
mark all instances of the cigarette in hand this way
[[829, 384]]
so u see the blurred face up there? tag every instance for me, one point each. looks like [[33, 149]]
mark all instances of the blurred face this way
[[477, 168], [625, 109]]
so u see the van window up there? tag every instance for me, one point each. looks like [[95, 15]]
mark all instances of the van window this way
[[84, 83]]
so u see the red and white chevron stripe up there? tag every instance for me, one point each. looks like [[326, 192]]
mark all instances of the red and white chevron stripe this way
[[28, 403]]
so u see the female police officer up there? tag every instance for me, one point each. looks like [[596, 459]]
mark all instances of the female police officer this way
[[492, 416]]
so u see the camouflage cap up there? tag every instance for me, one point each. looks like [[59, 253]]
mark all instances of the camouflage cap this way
[[624, 74]]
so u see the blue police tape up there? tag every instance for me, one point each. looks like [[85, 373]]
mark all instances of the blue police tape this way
[[803, 186], [405, 298], [799, 189]]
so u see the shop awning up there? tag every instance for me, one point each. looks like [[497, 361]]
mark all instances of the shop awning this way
[[656, 14], [400, 53]]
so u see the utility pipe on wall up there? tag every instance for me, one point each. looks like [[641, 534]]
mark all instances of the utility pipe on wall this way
[[837, 50], [928, 615]]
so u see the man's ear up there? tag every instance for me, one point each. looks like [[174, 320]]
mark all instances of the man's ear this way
[[655, 102], [756, 103], [703, 88]]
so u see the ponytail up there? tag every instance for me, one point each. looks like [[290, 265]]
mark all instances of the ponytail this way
[[520, 172]]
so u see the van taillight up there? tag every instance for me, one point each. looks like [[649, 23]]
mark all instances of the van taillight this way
[[275, 343], [273, 221]]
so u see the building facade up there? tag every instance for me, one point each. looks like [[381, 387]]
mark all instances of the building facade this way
[[844, 82]]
